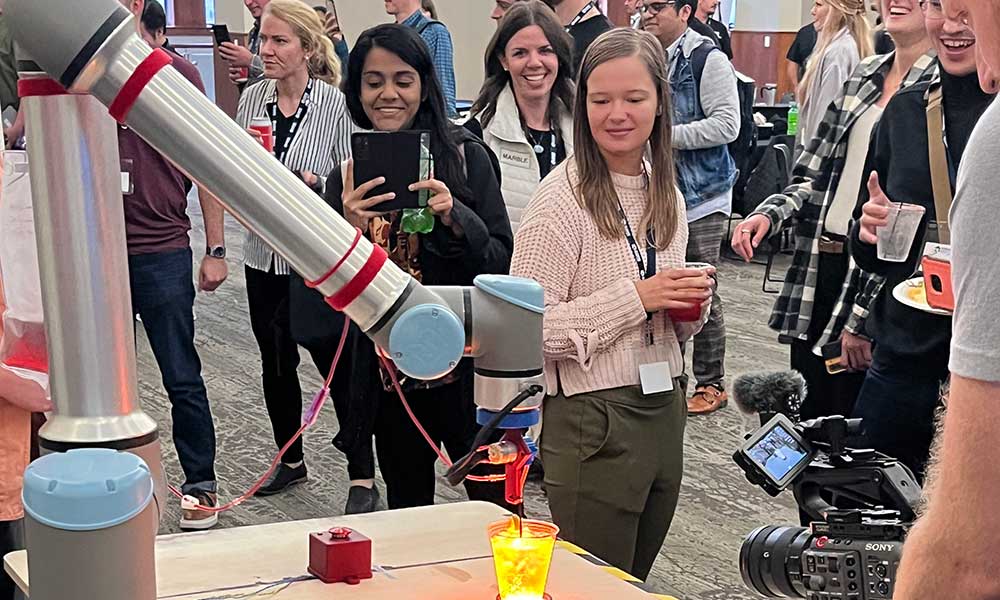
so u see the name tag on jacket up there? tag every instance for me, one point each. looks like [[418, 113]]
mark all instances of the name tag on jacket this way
[[515, 158]]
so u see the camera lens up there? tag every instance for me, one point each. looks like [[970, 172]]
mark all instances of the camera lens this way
[[770, 561]]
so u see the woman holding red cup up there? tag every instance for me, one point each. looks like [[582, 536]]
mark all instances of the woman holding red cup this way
[[606, 237], [300, 115]]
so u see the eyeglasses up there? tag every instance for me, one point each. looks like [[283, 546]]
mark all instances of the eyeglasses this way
[[654, 8], [932, 8]]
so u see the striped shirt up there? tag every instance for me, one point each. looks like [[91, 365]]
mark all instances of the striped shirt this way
[[321, 141], [438, 40]]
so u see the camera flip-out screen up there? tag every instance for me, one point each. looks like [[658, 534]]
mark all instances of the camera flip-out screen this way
[[777, 452]]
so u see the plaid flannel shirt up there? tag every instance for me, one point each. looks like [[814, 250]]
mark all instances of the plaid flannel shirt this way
[[814, 179]]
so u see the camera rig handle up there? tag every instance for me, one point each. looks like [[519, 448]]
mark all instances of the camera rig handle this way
[[871, 487]]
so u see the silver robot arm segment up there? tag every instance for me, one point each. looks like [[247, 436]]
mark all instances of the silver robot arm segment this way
[[91, 46]]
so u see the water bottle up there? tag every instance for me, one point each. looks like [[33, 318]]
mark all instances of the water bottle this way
[[793, 118], [417, 220]]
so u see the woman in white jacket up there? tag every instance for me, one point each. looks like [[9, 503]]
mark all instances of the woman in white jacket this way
[[524, 112]]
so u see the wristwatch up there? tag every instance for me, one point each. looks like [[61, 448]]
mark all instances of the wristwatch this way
[[216, 251]]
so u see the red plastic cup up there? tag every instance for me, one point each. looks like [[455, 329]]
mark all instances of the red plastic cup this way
[[685, 315], [263, 127], [693, 311]]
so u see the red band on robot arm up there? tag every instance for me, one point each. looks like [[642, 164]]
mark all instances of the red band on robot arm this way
[[137, 82], [315, 284], [27, 88], [362, 280]]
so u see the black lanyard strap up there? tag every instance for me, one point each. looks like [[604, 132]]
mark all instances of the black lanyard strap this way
[[580, 15], [648, 268], [300, 114]]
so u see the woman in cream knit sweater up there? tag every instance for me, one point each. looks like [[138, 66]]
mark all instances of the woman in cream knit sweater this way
[[605, 235]]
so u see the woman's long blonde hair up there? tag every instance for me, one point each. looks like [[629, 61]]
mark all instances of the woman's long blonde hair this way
[[323, 63], [843, 14], [594, 189]]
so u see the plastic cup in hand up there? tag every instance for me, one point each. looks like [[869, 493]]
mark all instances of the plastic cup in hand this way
[[896, 239], [262, 126], [693, 311], [244, 71], [522, 555]]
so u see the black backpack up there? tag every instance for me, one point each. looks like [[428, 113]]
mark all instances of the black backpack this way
[[741, 149]]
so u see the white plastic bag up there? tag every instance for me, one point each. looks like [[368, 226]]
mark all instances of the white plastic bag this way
[[22, 343]]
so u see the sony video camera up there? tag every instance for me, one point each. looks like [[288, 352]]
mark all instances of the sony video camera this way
[[861, 504]]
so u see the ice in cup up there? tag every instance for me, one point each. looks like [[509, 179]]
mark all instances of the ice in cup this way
[[693, 312], [896, 239], [522, 555]]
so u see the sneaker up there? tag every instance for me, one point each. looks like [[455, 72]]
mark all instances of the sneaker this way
[[361, 500], [194, 518], [283, 478], [707, 399]]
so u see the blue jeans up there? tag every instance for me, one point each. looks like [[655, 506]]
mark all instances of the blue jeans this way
[[163, 296], [898, 408]]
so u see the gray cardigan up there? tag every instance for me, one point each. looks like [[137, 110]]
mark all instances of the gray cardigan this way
[[838, 62], [720, 100]]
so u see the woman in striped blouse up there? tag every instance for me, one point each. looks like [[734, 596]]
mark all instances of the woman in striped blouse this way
[[312, 129]]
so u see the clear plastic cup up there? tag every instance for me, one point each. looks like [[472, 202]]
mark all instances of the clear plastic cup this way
[[693, 312], [896, 239], [522, 557]]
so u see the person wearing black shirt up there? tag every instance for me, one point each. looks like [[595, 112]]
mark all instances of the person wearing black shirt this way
[[703, 29], [902, 389], [802, 48], [707, 8], [583, 21], [471, 236]]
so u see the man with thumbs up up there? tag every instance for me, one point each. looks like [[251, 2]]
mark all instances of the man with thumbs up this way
[[918, 146]]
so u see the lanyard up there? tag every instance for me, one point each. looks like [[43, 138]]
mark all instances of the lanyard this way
[[646, 269], [300, 114], [580, 15]]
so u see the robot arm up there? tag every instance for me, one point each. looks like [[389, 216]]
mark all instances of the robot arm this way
[[95, 50], [91, 46]]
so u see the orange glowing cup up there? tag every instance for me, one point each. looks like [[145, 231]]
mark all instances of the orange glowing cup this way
[[522, 556]]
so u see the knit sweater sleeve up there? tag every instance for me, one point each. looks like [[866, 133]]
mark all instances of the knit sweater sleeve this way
[[579, 328]]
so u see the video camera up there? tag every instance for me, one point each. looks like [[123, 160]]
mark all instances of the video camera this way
[[861, 504]]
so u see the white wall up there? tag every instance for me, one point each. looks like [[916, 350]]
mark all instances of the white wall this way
[[771, 15], [234, 14], [468, 20]]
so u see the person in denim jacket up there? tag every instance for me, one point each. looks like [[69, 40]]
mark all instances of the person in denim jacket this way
[[706, 119]]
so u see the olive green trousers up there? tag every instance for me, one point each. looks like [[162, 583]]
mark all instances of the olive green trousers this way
[[613, 466]]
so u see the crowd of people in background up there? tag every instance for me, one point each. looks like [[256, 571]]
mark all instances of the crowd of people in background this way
[[595, 160]]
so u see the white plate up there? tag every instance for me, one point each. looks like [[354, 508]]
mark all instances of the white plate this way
[[900, 293]]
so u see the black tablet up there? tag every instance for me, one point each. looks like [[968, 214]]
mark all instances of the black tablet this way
[[402, 157]]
